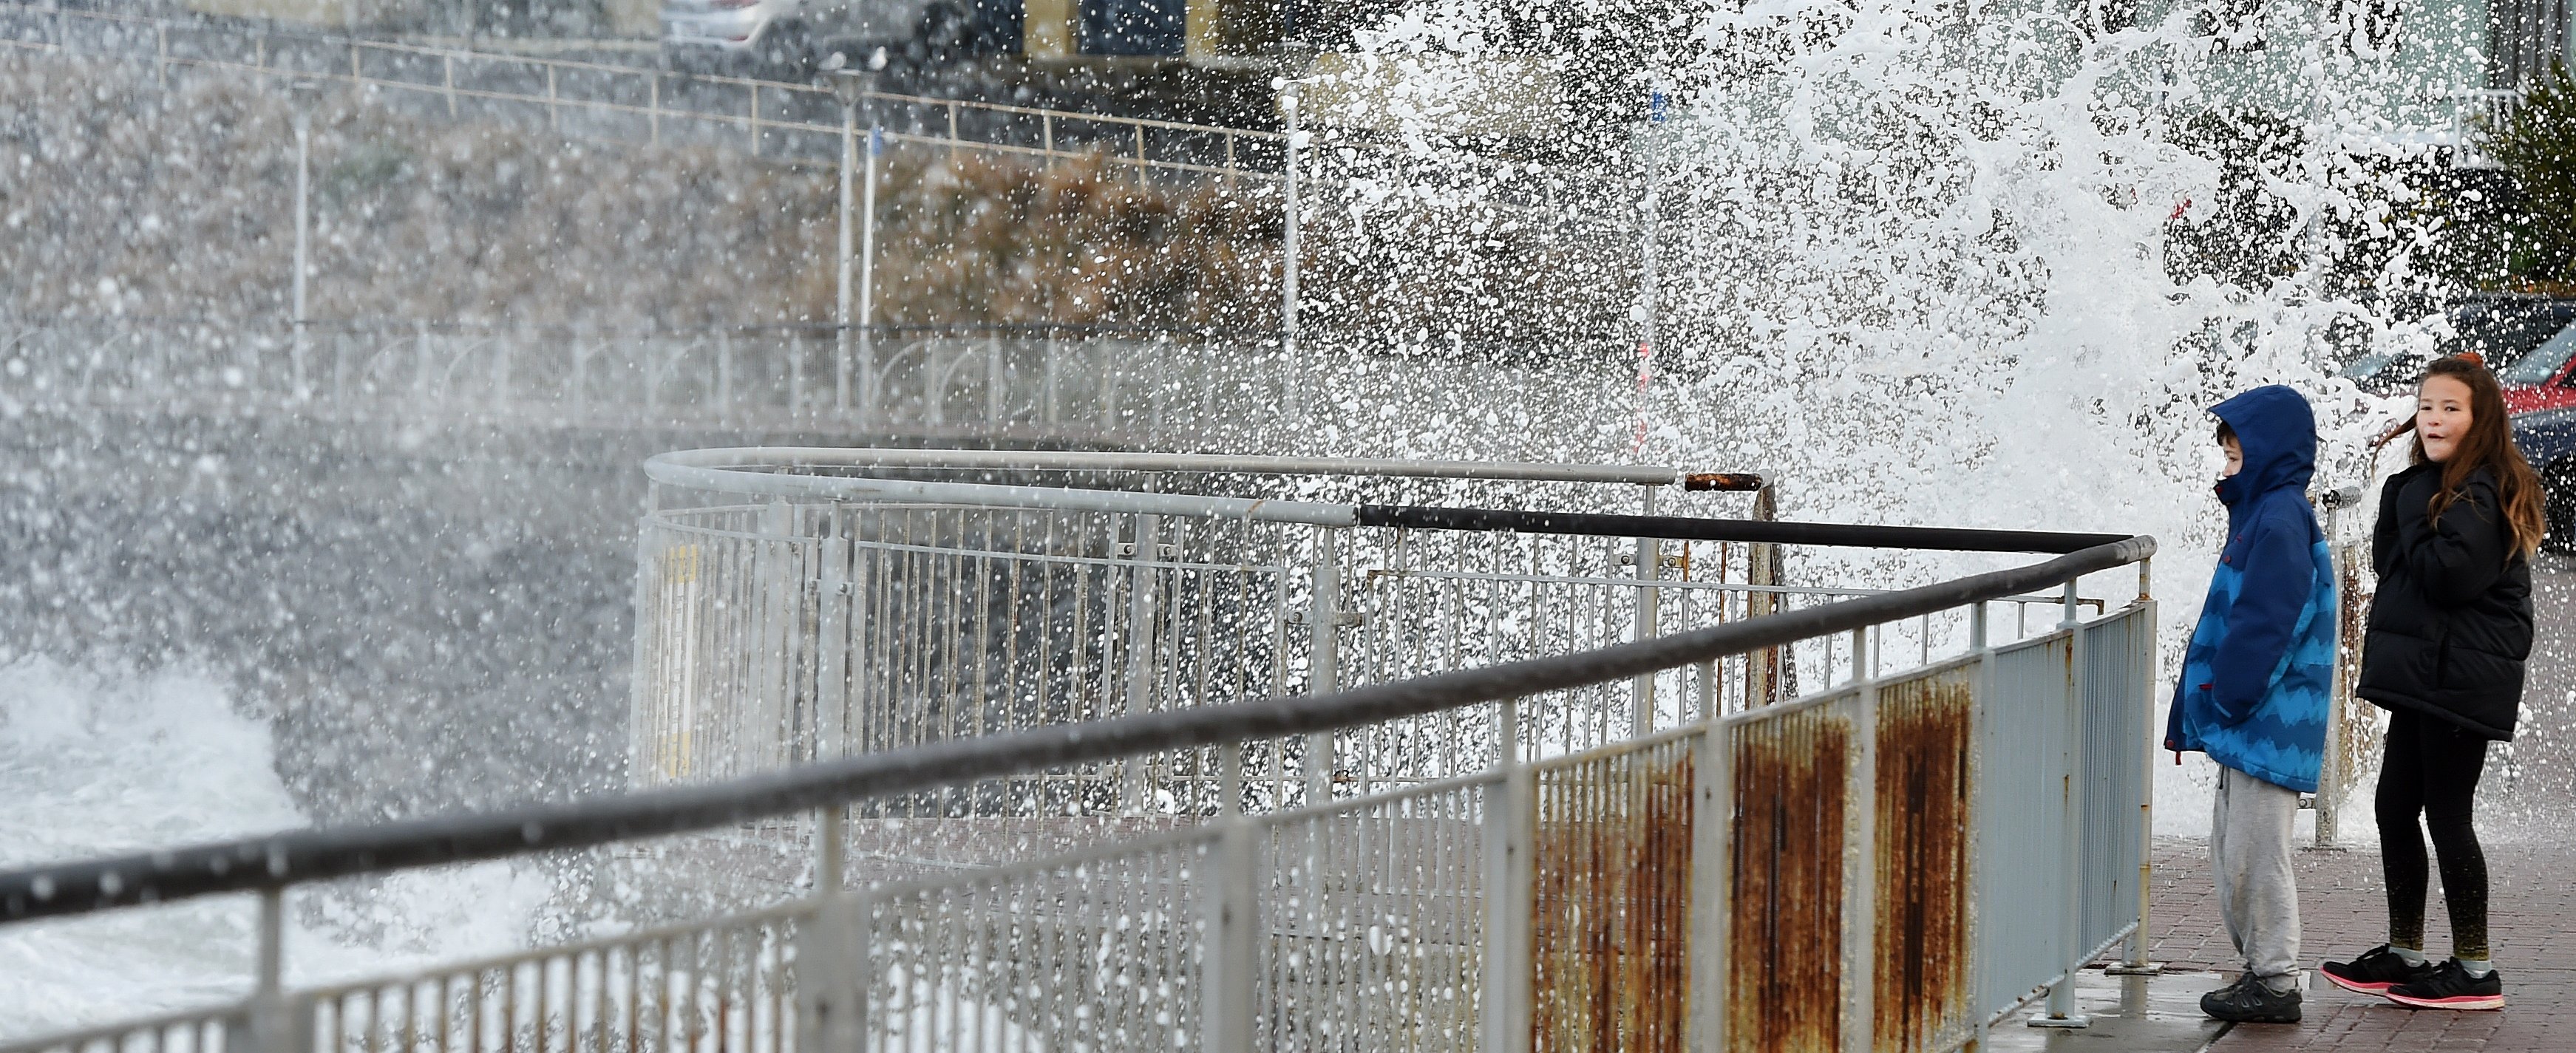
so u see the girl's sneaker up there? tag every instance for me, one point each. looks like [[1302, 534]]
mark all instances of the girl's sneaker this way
[[2451, 987], [2377, 970]]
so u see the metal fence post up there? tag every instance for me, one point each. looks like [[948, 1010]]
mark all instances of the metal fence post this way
[[724, 372], [2335, 775], [2070, 860], [2142, 659], [1323, 659], [832, 658], [1288, 260], [1860, 858], [1641, 717], [1763, 678], [1712, 825], [420, 359], [1509, 868], [992, 379], [833, 975], [1054, 371], [867, 363], [273, 1022], [841, 302], [304, 93], [1143, 653], [1227, 1003]]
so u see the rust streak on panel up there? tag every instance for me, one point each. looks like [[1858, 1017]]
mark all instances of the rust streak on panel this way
[[1609, 939], [1784, 982], [1921, 973]]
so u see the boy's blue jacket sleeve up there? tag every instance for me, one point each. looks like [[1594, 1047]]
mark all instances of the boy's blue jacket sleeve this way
[[2261, 624]]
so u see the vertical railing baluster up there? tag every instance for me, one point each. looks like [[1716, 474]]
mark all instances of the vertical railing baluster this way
[[2070, 862], [1232, 953], [1860, 856], [1509, 869]]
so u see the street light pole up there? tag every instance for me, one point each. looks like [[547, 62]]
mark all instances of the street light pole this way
[[1646, 279], [304, 93], [868, 275], [852, 87], [1288, 258], [841, 309]]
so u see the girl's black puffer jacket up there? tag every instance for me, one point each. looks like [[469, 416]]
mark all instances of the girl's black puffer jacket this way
[[2451, 626]]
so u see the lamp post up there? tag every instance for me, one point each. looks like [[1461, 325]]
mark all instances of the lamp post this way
[[304, 94], [852, 87], [1288, 91], [1648, 215]]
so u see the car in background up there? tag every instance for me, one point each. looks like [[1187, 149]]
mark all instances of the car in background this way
[[2528, 340], [2548, 440], [2534, 356], [791, 39]]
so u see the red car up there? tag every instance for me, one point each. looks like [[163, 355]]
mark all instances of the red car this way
[[2531, 345]]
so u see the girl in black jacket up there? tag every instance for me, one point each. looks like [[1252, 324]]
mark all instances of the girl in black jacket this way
[[2444, 653]]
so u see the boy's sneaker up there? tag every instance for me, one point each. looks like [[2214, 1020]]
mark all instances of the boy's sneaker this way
[[2251, 1001], [2451, 987], [2377, 970]]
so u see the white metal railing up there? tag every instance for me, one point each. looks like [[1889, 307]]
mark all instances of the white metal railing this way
[[1029, 382], [1894, 858], [786, 618], [1003, 383], [2472, 111], [635, 103]]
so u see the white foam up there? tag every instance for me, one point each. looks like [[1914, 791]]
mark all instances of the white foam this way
[[101, 764]]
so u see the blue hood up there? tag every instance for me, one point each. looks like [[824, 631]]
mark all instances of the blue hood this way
[[2279, 434]]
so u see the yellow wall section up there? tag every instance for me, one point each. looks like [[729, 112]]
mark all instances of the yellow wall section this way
[[1203, 33], [1049, 32]]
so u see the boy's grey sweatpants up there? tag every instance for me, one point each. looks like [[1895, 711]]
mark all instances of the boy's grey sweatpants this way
[[2249, 846]]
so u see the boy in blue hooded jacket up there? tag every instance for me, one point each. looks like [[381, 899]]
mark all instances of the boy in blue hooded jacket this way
[[2255, 685]]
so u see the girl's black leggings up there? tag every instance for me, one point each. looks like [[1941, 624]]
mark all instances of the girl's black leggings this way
[[2431, 771]]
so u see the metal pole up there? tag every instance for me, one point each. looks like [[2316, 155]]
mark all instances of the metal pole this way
[[2142, 659], [1229, 1003], [1324, 659], [1641, 717], [1860, 856], [2334, 775], [1508, 873], [1288, 258], [1646, 281], [303, 92], [2070, 863], [867, 364], [841, 303], [1712, 815]]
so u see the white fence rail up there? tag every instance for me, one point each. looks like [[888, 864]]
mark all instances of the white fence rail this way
[[1002, 382]]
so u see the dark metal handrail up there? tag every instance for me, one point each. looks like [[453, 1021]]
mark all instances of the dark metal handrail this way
[[278, 860]]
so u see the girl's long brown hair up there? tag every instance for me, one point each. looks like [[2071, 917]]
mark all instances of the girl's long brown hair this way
[[2489, 445]]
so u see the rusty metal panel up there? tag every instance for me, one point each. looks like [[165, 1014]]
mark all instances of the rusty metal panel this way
[[1784, 979], [1922, 996], [1610, 914]]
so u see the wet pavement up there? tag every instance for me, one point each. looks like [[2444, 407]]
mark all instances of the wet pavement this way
[[2532, 915]]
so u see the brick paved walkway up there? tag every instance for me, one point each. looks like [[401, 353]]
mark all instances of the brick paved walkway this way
[[2342, 912]]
